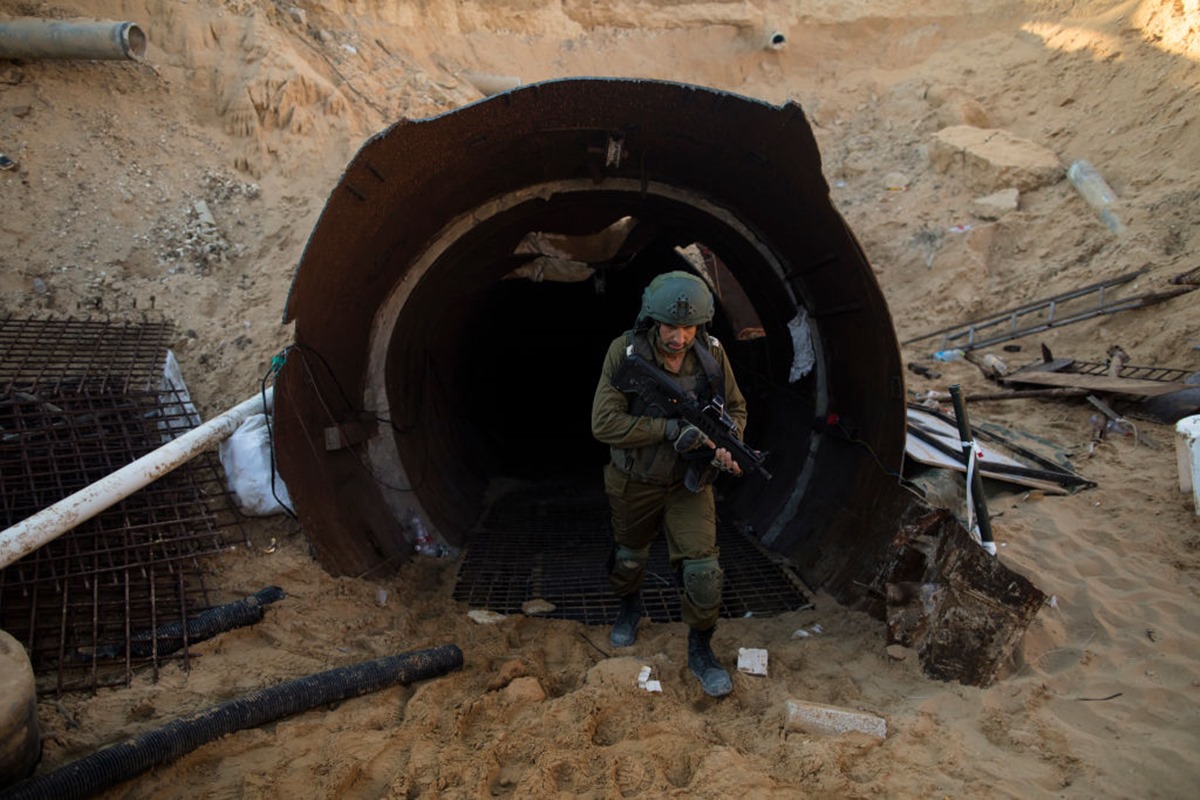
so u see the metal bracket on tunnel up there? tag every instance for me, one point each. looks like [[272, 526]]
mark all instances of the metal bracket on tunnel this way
[[616, 149], [613, 151], [348, 434]]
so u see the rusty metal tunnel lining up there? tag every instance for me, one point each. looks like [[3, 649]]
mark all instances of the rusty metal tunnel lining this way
[[551, 542], [78, 400], [427, 220]]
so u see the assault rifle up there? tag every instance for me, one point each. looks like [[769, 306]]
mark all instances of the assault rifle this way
[[657, 390]]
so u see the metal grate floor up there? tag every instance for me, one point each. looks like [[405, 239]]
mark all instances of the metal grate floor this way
[[79, 400], [552, 542]]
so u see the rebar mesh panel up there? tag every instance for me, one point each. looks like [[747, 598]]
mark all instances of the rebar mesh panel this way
[[553, 542], [79, 400], [68, 353]]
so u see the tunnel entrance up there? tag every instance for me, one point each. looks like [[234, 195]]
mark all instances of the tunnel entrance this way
[[531, 354], [512, 361], [528, 350], [457, 295]]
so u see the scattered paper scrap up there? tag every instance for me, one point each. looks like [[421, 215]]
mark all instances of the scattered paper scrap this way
[[646, 682], [752, 660], [484, 616]]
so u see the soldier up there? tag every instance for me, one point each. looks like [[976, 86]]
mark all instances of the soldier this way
[[651, 455]]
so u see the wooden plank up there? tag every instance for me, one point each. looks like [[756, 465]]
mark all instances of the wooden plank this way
[[1010, 394], [925, 453], [1054, 365], [1097, 383]]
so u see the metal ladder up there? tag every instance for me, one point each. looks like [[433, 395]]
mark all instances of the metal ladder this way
[[1015, 323]]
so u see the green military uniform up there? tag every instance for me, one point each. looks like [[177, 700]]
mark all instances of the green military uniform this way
[[644, 480]]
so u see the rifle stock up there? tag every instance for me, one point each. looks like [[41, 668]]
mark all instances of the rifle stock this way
[[657, 390]]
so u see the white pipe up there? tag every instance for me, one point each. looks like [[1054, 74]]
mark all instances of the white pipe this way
[[48, 524]]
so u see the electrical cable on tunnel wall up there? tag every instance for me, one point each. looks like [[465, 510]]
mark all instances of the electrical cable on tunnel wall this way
[[304, 350]]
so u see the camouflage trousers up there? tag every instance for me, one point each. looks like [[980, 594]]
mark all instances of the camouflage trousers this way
[[688, 520]]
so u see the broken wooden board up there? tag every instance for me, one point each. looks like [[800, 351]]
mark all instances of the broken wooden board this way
[[933, 439], [1095, 383]]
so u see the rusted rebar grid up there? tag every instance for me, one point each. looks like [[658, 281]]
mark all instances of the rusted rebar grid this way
[[78, 400]]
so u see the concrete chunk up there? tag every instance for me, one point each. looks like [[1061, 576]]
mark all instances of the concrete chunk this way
[[830, 720], [990, 159]]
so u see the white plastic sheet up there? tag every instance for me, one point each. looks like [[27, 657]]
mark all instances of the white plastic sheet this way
[[246, 457]]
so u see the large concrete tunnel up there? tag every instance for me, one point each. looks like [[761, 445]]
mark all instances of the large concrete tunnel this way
[[455, 300]]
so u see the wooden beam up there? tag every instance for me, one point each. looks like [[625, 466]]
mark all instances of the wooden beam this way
[[1097, 383]]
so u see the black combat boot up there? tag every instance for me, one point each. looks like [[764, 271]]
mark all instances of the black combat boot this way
[[704, 665], [624, 630]]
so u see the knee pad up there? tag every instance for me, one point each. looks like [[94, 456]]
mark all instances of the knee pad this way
[[703, 580], [627, 562]]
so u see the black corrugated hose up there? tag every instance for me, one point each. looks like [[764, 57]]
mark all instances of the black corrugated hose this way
[[166, 639], [108, 767]]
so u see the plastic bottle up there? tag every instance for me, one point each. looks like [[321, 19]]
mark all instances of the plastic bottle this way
[[425, 545], [1098, 194], [948, 355], [995, 365]]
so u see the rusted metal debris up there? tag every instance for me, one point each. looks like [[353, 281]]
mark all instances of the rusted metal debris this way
[[1189, 278], [1009, 394], [1161, 394], [1094, 383], [957, 606]]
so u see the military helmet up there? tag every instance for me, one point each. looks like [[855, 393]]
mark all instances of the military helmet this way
[[677, 298]]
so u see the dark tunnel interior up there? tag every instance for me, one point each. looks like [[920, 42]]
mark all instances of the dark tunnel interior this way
[[513, 362], [531, 355]]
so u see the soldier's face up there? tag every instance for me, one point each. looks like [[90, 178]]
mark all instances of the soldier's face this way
[[676, 338]]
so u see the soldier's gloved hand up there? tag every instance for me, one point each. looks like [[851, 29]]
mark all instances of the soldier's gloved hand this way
[[685, 436]]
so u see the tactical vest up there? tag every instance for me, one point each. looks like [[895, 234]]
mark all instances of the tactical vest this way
[[659, 463]]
